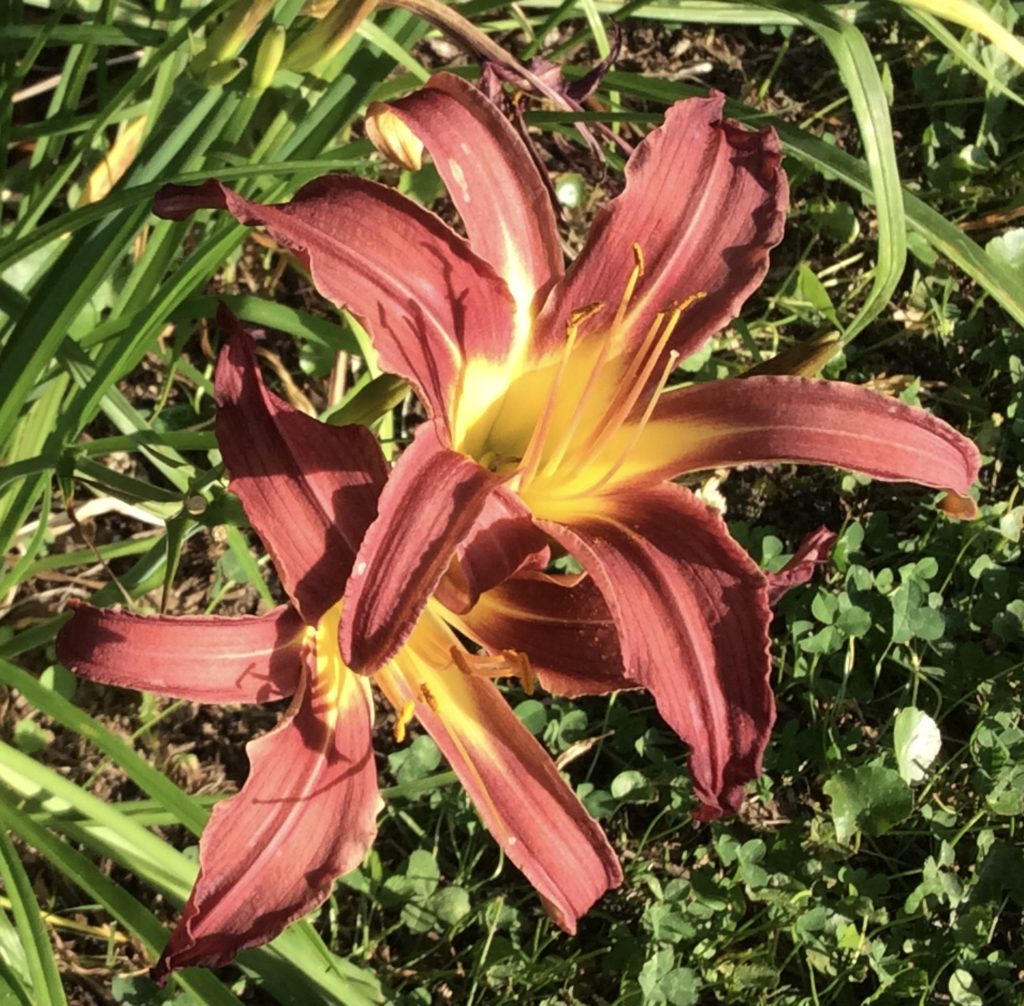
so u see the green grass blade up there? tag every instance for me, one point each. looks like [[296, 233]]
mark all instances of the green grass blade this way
[[130, 913], [173, 799], [297, 967], [859, 74], [46, 984], [974, 17], [942, 34]]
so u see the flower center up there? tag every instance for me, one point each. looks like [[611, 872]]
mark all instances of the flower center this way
[[599, 400]]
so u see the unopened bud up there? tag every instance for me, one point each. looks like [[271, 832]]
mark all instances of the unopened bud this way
[[805, 360], [268, 59], [228, 39], [370, 402], [222, 73], [330, 36], [392, 137]]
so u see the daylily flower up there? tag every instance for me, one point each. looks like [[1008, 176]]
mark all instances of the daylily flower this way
[[307, 812], [544, 389]]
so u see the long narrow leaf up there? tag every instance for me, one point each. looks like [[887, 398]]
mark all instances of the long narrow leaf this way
[[973, 16], [46, 983], [857, 69], [129, 913]]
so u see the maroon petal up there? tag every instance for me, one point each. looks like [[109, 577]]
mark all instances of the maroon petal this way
[[492, 180], [758, 420], [254, 658], [705, 200], [813, 552], [692, 613], [306, 815], [503, 541], [429, 506], [563, 626], [425, 297], [517, 790], [310, 490]]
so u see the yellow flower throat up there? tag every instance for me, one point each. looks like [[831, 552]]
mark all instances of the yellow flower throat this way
[[563, 428]]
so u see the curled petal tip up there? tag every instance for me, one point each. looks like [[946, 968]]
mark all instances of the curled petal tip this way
[[176, 202], [814, 551], [392, 137], [958, 506]]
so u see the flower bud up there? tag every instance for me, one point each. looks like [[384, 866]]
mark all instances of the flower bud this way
[[268, 59], [228, 39], [330, 36], [370, 402], [220, 73], [804, 360]]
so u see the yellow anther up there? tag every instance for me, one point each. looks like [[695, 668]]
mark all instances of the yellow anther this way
[[634, 278], [526, 675], [428, 696], [404, 719], [581, 314]]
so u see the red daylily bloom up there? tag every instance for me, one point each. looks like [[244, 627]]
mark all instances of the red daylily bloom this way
[[545, 393], [307, 811]]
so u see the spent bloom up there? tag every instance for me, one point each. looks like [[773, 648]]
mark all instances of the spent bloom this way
[[545, 390], [307, 812]]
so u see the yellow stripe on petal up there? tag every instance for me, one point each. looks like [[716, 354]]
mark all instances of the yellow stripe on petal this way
[[520, 796], [335, 689]]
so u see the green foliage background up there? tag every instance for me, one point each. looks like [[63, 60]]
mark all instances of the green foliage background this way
[[880, 857]]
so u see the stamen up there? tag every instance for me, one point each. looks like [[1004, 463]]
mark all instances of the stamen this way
[[461, 659], [597, 369], [634, 381], [658, 335], [403, 720], [670, 365], [535, 449], [626, 395]]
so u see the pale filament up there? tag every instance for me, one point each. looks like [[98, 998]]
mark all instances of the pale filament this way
[[538, 439], [535, 448], [627, 294], [632, 384], [670, 365]]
